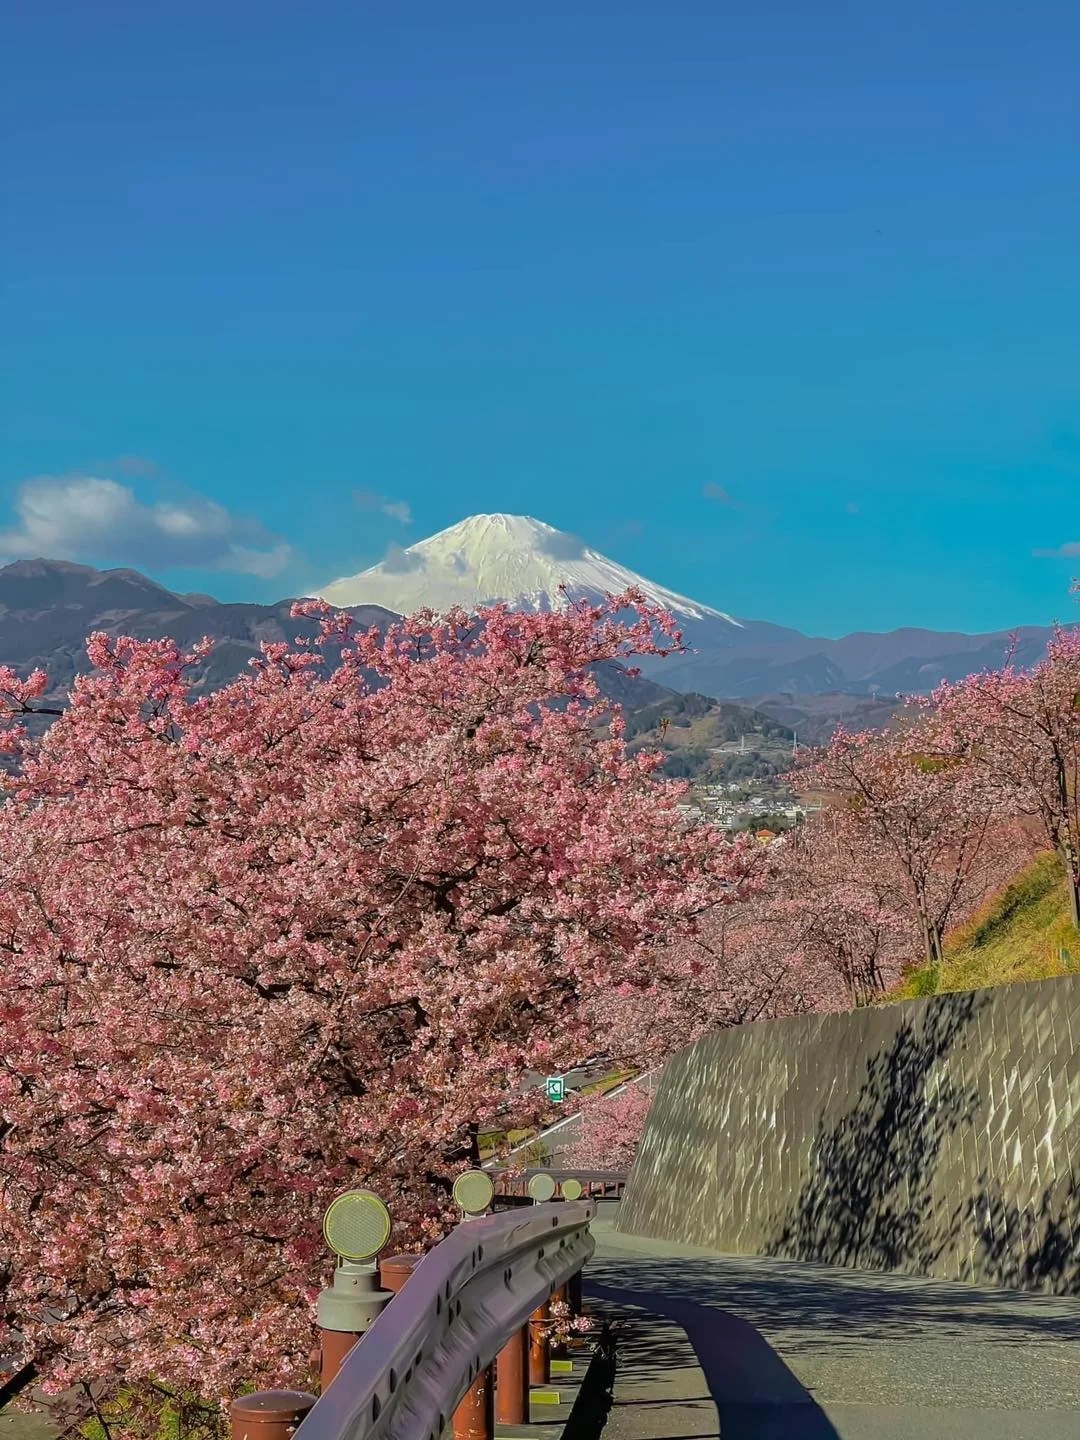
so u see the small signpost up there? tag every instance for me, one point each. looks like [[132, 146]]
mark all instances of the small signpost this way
[[555, 1088]]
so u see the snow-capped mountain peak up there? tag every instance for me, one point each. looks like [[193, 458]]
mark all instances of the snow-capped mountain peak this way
[[512, 558]]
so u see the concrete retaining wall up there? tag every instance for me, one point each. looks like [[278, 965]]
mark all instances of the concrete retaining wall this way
[[939, 1137]]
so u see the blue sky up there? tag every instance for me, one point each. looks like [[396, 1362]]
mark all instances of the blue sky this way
[[778, 304]]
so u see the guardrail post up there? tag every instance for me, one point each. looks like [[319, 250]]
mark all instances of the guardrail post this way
[[334, 1345], [474, 1418], [395, 1270], [512, 1380], [539, 1349], [346, 1310], [268, 1414]]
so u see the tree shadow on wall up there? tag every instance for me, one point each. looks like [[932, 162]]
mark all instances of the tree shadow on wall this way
[[1027, 1246], [869, 1201]]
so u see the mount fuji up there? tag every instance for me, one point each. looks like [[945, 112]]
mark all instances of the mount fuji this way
[[530, 565], [510, 558]]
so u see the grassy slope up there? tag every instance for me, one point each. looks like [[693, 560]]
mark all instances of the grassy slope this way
[[1022, 933]]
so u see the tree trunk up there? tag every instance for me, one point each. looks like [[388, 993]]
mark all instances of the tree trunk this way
[[1068, 849], [931, 930], [929, 952], [1072, 877], [468, 1150]]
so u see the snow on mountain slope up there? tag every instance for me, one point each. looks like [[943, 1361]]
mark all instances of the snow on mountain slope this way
[[512, 558]]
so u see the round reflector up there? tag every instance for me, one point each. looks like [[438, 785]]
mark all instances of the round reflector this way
[[473, 1191], [356, 1225], [542, 1186]]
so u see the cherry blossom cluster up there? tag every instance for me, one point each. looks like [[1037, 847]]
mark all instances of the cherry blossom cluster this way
[[300, 934]]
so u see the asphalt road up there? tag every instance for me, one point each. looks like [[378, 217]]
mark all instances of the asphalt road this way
[[723, 1348]]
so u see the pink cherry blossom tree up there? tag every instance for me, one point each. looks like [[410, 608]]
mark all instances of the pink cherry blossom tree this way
[[914, 812], [842, 913], [611, 1130], [1019, 731], [729, 970], [298, 935]]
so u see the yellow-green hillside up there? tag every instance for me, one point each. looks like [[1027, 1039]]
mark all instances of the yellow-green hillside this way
[[1024, 932]]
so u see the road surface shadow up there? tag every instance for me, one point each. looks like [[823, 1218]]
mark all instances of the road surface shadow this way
[[803, 1301], [755, 1394], [590, 1410]]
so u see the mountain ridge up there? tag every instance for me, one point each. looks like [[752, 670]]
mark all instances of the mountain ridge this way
[[47, 607], [515, 559], [52, 636], [528, 564]]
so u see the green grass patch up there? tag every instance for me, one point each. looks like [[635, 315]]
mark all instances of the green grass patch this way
[[1024, 932], [609, 1082]]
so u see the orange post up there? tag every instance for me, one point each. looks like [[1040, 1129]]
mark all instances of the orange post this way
[[268, 1414], [334, 1345], [512, 1380], [395, 1270], [474, 1418], [539, 1350]]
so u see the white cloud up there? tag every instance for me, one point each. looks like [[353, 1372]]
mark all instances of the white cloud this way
[[71, 517], [563, 545], [398, 510], [1068, 551], [397, 561], [712, 491]]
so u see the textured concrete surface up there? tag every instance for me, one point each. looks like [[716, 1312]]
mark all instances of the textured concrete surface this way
[[731, 1348], [936, 1137], [25, 1427]]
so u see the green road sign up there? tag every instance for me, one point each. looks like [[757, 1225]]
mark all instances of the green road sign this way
[[555, 1087]]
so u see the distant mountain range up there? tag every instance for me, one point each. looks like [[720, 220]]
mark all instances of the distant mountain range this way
[[531, 565], [48, 607], [783, 680]]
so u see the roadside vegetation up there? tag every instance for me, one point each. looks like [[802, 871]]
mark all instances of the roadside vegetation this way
[[1023, 932]]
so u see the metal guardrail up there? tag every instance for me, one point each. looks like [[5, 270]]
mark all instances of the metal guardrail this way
[[460, 1306], [595, 1184]]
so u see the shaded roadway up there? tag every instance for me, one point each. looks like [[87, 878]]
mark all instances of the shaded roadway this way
[[743, 1348]]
